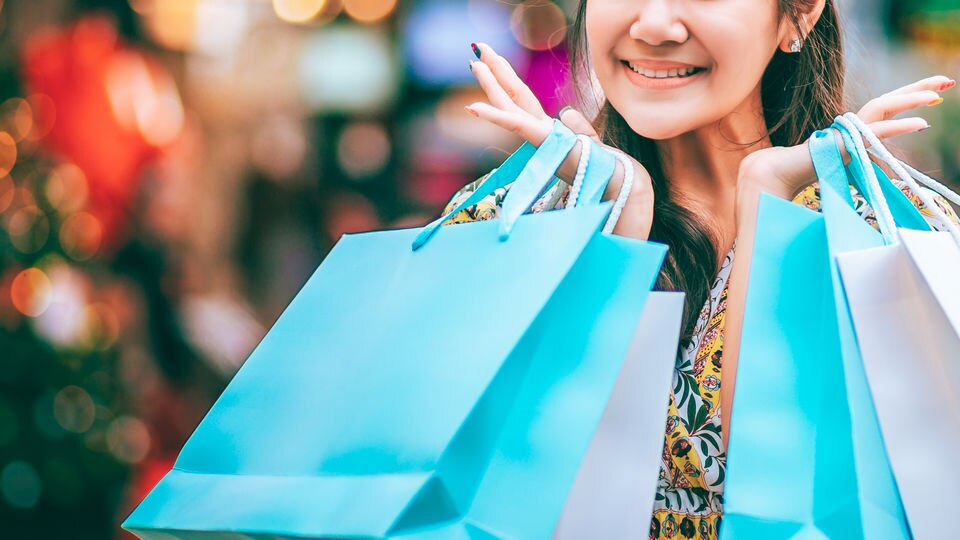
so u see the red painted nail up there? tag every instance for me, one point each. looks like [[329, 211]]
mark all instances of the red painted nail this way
[[947, 86]]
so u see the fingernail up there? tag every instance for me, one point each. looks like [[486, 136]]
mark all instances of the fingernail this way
[[563, 110], [948, 86], [926, 128], [470, 65], [476, 50], [471, 111], [935, 102]]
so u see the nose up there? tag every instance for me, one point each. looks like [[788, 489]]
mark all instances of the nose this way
[[657, 23]]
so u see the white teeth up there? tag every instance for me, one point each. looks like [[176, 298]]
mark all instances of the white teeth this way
[[663, 73]]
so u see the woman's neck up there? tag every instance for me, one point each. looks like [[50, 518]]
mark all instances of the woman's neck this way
[[703, 165]]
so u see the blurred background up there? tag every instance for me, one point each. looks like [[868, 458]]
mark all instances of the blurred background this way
[[172, 171]]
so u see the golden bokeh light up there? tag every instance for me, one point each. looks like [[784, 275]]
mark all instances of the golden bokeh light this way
[[8, 153], [29, 229], [81, 235], [171, 23], [298, 11], [31, 292], [17, 118], [66, 188], [7, 190], [538, 25], [104, 326], [369, 11]]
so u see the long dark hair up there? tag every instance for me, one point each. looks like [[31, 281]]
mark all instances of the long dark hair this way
[[801, 92]]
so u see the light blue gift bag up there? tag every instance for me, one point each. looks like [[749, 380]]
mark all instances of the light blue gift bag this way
[[805, 456], [376, 403]]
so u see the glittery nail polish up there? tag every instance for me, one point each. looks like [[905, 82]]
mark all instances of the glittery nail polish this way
[[935, 102]]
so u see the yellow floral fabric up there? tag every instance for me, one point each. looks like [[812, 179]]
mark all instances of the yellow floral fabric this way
[[689, 499]]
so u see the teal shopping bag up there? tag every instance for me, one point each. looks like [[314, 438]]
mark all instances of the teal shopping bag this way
[[805, 456], [376, 403]]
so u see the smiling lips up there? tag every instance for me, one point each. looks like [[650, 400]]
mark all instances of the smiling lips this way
[[660, 74]]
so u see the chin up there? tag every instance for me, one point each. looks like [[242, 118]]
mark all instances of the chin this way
[[659, 125]]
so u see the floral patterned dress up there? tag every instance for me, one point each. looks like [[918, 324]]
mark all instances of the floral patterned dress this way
[[689, 498]]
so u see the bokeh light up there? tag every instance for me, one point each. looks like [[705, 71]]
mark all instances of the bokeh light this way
[[74, 409], [30, 292], [437, 37], [8, 153], [20, 484], [7, 190], [66, 322], [103, 326], [144, 98], [368, 11], [348, 69], [29, 229], [66, 188], [279, 146], [363, 149], [538, 25], [17, 118], [81, 235], [128, 439], [304, 11], [171, 23], [44, 115]]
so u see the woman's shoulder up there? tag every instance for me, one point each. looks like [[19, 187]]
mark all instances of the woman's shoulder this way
[[810, 198]]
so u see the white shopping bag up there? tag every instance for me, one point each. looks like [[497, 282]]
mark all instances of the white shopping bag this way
[[613, 494], [904, 300]]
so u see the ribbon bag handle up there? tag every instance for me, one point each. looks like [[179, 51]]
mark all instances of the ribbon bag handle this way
[[903, 172], [529, 168]]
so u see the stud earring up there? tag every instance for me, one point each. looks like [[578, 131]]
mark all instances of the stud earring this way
[[796, 45]]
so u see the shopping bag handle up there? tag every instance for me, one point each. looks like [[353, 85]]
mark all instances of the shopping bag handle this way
[[590, 182], [905, 173], [530, 168], [891, 206], [905, 213]]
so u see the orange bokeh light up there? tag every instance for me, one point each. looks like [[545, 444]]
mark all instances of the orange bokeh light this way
[[81, 235], [17, 118], [8, 153], [31, 292], [369, 11], [7, 191]]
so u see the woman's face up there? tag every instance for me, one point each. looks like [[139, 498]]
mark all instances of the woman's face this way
[[672, 66]]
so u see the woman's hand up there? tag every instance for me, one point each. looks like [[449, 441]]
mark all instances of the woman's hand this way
[[784, 171], [514, 107]]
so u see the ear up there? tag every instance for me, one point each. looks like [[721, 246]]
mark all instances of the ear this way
[[808, 12]]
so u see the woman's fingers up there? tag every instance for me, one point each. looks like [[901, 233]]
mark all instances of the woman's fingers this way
[[518, 92], [491, 86], [886, 129], [577, 123], [887, 106], [937, 83], [522, 124]]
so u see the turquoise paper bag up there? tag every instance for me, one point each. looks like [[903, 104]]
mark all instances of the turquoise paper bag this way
[[376, 403], [805, 456]]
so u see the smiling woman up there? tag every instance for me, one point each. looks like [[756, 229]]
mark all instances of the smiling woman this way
[[713, 102]]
